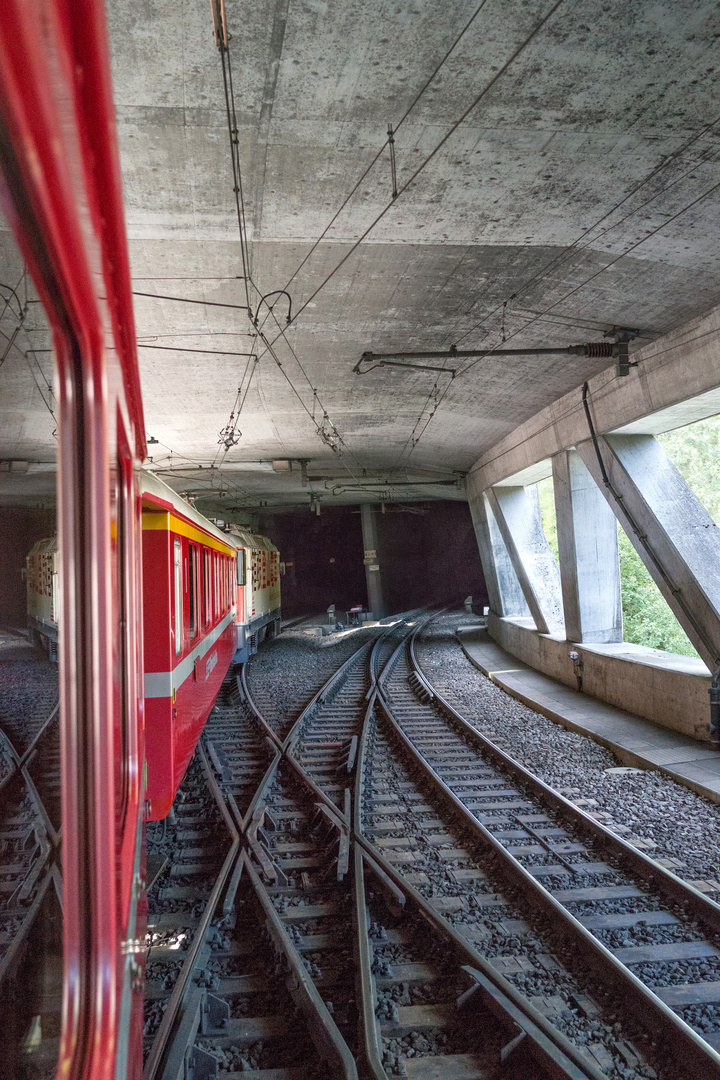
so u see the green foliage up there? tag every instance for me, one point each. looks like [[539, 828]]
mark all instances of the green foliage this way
[[547, 512], [647, 619], [695, 452]]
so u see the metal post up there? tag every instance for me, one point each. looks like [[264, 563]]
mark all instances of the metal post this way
[[372, 563]]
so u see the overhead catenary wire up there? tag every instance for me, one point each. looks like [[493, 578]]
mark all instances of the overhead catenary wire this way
[[562, 257], [222, 40], [471, 363], [326, 430], [436, 149], [380, 152], [189, 300], [210, 352], [558, 260]]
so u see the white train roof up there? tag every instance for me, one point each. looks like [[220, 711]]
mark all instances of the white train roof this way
[[153, 485], [234, 537]]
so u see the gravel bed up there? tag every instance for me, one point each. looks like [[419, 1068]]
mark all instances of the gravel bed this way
[[672, 822], [287, 672], [534, 950], [28, 689]]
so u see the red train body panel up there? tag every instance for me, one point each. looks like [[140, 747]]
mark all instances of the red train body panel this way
[[61, 190], [62, 195], [189, 633]]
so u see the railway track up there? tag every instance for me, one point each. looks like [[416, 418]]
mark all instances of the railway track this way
[[402, 881], [190, 855], [278, 699], [30, 904], [641, 929]]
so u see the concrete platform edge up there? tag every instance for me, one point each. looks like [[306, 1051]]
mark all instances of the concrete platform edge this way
[[624, 754]]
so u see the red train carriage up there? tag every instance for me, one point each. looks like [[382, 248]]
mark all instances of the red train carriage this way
[[189, 632], [257, 613]]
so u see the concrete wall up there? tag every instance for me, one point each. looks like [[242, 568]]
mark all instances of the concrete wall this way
[[669, 690]]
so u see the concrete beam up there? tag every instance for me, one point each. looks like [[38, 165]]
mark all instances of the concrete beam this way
[[669, 527], [675, 382], [517, 512], [588, 550]]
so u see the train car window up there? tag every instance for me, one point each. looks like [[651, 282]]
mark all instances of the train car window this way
[[228, 571], [207, 606], [122, 557], [178, 597], [218, 580], [192, 588], [241, 571]]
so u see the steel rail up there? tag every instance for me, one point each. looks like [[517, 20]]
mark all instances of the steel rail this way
[[644, 865], [244, 689], [324, 1032], [651, 1010], [162, 1046], [48, 836], [54, 715], [333, 684], [553, 1050]]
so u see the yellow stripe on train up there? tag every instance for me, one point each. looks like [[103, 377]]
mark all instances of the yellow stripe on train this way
[[162, 521]]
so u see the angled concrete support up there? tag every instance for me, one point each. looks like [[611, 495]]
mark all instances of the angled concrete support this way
[[588, 550], [670, 529], [517, 512], [504, 592], [478, 513]]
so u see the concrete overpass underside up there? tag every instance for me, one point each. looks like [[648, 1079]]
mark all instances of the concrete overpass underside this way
[[551, 176]]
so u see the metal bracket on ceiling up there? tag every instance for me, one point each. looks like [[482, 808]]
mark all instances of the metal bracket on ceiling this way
[[595, 350]]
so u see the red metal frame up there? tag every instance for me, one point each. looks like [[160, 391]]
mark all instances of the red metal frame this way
[[61, 192]]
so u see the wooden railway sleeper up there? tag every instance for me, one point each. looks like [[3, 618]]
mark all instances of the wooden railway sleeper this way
[[167, 1058]]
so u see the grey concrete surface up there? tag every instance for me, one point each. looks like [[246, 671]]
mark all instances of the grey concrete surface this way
[[588, 553], [535, 200], [636, 741]]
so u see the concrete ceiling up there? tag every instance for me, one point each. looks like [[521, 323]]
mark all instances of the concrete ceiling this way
[[531, 200]]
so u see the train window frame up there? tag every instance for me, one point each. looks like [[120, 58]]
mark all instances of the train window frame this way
[[178, 582], [241, 567], [207, 582], [192, 590]]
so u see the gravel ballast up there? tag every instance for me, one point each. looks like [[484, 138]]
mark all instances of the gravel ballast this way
[[666, 820]]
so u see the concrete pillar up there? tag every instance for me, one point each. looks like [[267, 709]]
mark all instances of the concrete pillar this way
[[670, 528], [372, 563], [588, 549], [517, 512]]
